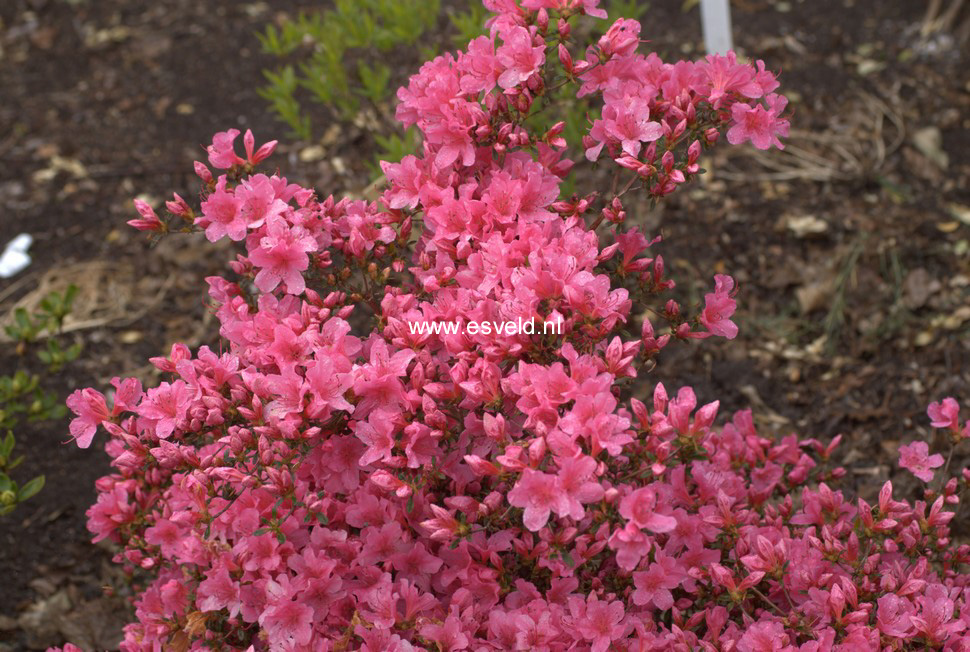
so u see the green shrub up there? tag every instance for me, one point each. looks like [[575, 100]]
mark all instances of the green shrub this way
[[22, 395]]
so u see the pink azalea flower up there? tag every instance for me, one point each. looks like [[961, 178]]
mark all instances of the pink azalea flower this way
[[916, 459], [935, 619], [718, 308], [894, 616], [577, 479], [287, 622], [519, 57], [539, 494], [446, 636], [328, 387], [91, 410], [221, 215], [945, 414], [378, 383], [166, 407], [257, 201], [629, 123], [405, 180], [479, 66], [765, 636], [218, 591], [597, 621], [638, 508], [630, 544], [723, 75], [378, 435], [282, 256], [762, 126], [221, 154], [654, 585]]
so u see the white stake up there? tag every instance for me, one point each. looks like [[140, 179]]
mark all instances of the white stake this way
[[716, 24]]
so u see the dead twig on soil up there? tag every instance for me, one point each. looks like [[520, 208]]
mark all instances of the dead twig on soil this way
[[108, 294]]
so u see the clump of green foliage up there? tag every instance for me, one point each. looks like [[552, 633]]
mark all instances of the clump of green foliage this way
[[343, 53], [336, 58], [22, 394]]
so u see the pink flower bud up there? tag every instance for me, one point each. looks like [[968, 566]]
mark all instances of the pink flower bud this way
[[203, 172], [542, 20], [565, 59], [564, 29]]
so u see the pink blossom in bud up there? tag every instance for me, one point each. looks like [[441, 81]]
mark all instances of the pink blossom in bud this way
[[565, 59], [621, 39], [203, 172], [149, 220], [259, 155]]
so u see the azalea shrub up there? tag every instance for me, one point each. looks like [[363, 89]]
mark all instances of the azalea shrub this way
[[332, 479]]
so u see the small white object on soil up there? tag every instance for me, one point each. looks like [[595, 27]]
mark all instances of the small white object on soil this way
[[15, 258]]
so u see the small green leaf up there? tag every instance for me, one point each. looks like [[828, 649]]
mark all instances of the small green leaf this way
[[6, 446], [31, 488]]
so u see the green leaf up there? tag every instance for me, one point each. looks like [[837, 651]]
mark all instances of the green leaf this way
[[281, 538], [31, 488], [374, 80], [261, 531], [7, 444], [20, 315], [69, 296]]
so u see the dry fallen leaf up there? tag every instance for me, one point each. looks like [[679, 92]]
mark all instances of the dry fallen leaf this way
[[312, 154], [929, 142], [805, 225], [918, 287], [816, 294], [960, 212]]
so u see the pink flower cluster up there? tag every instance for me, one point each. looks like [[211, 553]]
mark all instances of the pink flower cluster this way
[[332, 481]]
